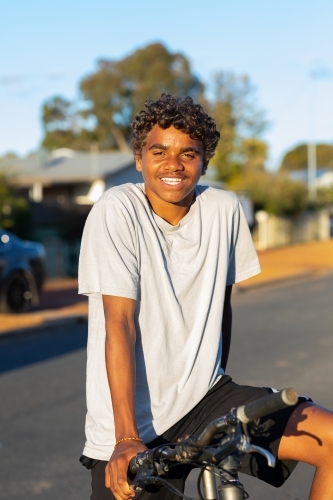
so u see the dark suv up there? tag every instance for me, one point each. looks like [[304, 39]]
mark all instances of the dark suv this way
[[22, 273]]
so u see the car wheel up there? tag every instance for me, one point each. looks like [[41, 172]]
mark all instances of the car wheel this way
[[16, 294]]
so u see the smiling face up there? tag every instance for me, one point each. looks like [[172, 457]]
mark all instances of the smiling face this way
[[171, 164]]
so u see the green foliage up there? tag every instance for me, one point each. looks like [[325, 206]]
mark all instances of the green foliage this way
[[325, 197], [234, 109], [55, 139], [64, 126], [297, 158], [254, 152], [117, 90], [112, 95], [274, 193], [8, 156], [14, 211], [56, 112]]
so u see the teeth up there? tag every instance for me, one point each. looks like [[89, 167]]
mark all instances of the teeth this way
[[171, 180]]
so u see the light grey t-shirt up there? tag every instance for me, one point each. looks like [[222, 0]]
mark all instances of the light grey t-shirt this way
[[178, 275]]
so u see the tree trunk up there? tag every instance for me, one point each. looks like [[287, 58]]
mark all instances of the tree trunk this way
[[120, 140]]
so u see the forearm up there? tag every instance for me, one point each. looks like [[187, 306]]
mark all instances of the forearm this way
[[120, 366]]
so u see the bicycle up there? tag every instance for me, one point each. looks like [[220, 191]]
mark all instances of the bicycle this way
[[219, 460]]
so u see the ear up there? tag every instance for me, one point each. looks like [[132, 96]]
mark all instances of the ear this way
[[204, 168], [138, 162]]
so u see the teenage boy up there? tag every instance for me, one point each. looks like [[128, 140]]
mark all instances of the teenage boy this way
[[158, 261]]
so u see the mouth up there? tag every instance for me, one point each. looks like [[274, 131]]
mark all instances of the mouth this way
[[172, 181]]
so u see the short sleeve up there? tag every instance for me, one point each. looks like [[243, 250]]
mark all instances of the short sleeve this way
[[108, 262], [243, 259]]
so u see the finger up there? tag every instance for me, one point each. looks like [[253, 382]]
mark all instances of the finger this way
[[113, 481], [109, 483], [117, 481], [122, 467], [107, 477], [119, 497]]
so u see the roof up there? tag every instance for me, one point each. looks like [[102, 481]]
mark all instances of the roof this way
[[302, 175], [67, 166]]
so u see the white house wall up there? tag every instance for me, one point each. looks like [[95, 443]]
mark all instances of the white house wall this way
[[325, 180]]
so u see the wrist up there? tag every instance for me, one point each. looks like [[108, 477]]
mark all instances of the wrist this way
[[126, 429], [122, 440]]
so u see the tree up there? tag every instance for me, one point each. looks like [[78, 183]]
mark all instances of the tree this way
[[297, 158], [273, 192], [113, 94], [234, 108], [117, 90], [254, 153], [325, 197], [64, 126]]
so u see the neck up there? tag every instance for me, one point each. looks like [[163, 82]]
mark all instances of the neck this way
[[170, 212]]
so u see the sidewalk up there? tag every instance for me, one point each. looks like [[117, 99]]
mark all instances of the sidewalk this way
[[292, 262], [61, 305]]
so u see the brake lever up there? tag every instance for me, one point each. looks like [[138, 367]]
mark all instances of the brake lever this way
[[246, 447]]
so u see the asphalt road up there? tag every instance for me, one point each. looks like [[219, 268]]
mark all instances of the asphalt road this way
[[282, 336]]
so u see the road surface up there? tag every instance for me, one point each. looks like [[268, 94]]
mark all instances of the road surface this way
[[282, 336]]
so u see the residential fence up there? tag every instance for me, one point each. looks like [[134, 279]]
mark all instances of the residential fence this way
[[62, 257], [271, 231]]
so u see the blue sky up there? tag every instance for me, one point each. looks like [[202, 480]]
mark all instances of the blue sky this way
[[47, 47]]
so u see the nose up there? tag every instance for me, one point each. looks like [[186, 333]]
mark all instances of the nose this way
[[173, 164]]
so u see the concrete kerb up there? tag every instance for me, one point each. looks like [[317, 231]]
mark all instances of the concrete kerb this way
[[318, 262], [49, 324]]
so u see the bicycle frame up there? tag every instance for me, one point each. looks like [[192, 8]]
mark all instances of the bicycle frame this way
[[230, 487], [209, 484]]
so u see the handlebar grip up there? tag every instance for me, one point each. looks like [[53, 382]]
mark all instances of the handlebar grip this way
[[267, 405], [133, 466]]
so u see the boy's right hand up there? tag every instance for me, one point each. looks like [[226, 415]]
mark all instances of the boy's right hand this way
[[117, 469]]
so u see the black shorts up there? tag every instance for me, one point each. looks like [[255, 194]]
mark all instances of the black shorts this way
[[218, 401]]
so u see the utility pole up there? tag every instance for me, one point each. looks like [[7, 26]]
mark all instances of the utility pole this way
[[318, 73], [312, 171], [312, 148]]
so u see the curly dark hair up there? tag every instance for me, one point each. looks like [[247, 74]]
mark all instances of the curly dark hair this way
[[181, 113]]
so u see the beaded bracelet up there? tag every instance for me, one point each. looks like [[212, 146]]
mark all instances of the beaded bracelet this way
[[127, 439]]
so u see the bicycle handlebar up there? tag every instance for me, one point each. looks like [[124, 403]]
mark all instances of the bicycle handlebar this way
[[267, 405], [245, 414]]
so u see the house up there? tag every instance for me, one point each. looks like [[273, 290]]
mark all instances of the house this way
[[61, 187], [324, 177], [65, 176]]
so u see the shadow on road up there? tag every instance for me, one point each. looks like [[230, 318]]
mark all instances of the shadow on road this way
[[26, 349]]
